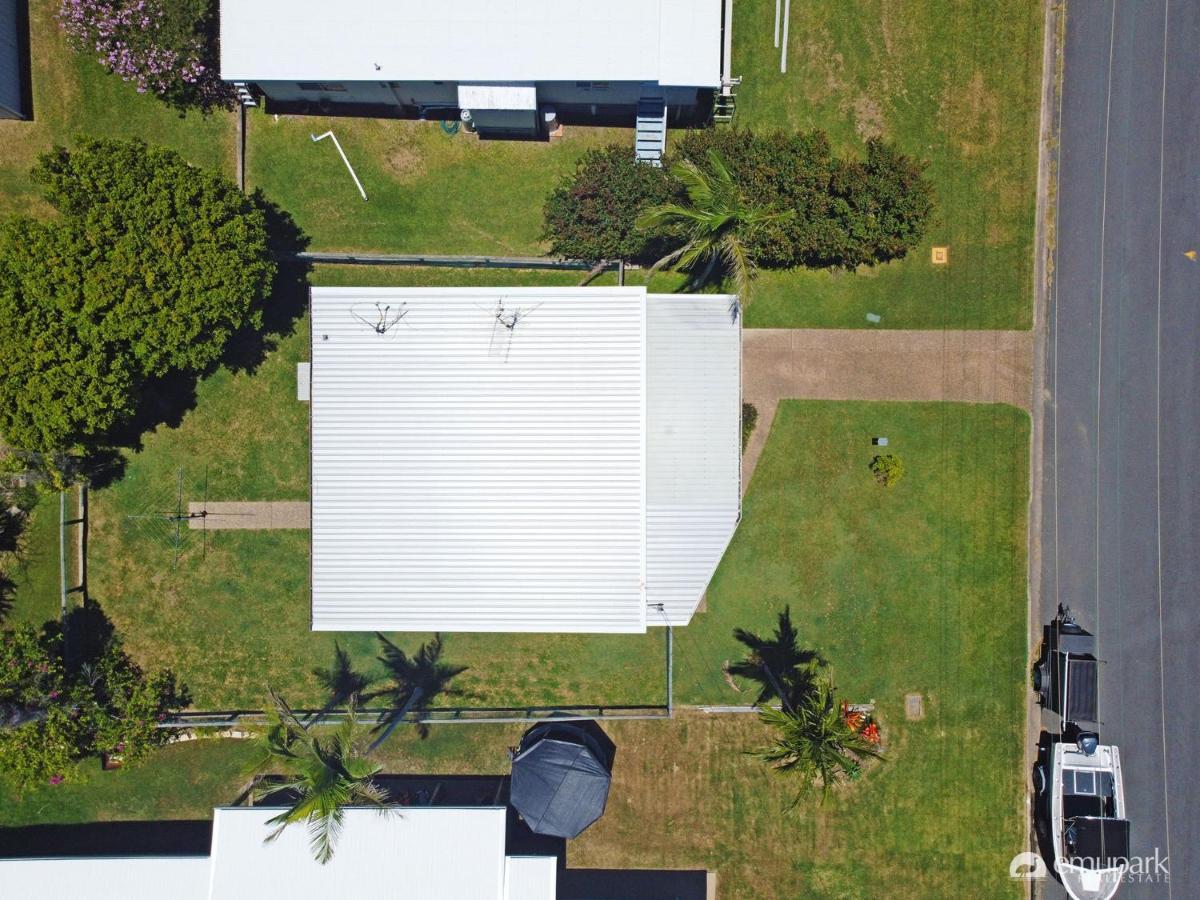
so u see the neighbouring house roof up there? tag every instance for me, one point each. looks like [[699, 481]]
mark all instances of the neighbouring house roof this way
[[672, 42], [557, 476], [451, 852], [106, 878], [417, 852]]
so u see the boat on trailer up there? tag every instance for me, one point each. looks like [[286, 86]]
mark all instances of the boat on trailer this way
[[1087, 795], [1087, 820]]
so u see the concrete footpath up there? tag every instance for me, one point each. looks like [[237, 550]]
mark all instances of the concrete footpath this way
[[249, 515], [860, 364]]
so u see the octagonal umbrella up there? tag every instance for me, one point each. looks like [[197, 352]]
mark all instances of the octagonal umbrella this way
[[560, 777]]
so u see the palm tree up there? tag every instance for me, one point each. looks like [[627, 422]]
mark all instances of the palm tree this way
[[713, 224], [415, 680], [341, 682], [815, 742], [323, 774], [783, 670]]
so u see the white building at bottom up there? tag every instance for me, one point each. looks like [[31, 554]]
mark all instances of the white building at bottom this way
[[448, 853], [521, 459]]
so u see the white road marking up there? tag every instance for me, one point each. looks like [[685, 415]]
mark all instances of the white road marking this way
[[1112, 35], [1162, 679]]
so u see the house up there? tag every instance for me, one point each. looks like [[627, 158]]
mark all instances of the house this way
[[443, 852], [520, 459], [509, 68], [14, 68], [430, 851]]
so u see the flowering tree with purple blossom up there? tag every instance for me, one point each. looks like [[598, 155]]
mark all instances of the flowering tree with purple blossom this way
[[164, 47]]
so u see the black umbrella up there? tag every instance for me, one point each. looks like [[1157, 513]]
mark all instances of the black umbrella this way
[[560, 777]]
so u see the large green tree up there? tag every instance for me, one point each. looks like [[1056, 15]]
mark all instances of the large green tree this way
[[149, 270]]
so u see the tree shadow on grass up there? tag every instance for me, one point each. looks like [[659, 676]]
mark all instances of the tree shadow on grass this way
[[782, 669], [343, 684], [414, 681], [8, 588]]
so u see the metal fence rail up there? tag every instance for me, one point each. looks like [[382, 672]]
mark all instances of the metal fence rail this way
[[463, 262], [494, 715]]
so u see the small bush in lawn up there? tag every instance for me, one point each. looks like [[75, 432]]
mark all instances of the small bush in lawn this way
[[888, 469], [591, 214], [164, 47], [749, 420]]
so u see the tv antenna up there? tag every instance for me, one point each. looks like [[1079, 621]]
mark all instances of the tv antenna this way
[[504, 324], [171, 522], [380, 319]]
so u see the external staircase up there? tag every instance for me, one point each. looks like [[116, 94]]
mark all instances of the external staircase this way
[[651, 138]]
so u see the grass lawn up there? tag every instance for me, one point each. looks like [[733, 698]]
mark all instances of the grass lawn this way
[[956, 84], [915, 589], [33, 570], [73, 95], [687, 783], [428, 192]]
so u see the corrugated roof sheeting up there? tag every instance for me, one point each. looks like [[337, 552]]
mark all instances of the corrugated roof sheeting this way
[[416, 852], [105, 878], [471, 478], [693, 443], [673, 42], [531, 878]]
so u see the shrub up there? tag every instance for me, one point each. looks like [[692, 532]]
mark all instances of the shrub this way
[[51, 716], [888, 469], [591, 214], [846, 212], [883, 202], [164, 47], [749, 420], [152, 267]]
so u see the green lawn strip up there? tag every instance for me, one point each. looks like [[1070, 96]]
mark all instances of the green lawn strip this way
[[182, 781], [427, 191], [328, 275], [34, 569], [955, 84], [73, 95]]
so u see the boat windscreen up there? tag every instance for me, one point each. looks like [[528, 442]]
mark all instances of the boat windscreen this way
[[1096, 843]]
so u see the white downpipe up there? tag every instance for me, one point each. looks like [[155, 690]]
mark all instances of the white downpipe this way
[[777, 2], [787, 15], [342, 153]]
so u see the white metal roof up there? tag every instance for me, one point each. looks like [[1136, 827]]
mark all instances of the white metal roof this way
[[693, 445], [673, 42], [106, 878], [468, 477], [422, 852], [451, 853], [531, 878], [548, 477]]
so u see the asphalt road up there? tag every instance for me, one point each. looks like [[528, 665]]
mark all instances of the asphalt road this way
[[1122, 438]]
